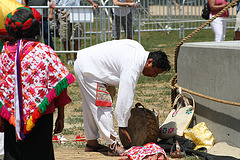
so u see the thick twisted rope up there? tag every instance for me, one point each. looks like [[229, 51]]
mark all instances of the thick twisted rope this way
[[173, 82], [175, 86]]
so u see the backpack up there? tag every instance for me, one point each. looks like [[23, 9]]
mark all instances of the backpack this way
[[206, 11]]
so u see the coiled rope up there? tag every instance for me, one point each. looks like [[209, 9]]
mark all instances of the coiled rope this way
[[173, 82]]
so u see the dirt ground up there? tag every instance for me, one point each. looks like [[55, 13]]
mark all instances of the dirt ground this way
[[221, 149], [160, 101], [75, 152]]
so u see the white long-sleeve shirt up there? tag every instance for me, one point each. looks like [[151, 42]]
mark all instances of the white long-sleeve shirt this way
[[117, 62]]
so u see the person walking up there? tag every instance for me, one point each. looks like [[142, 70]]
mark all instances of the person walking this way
[[219, 25], [46, 16]]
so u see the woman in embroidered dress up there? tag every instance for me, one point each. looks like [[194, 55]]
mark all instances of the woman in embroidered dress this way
[[219, 25], [33, 82]]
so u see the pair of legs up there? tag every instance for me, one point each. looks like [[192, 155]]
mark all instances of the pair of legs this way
[[126, 22], [219, 26], [67, 46], [237, 27], [70, 32], [97, 119], [47, 34]]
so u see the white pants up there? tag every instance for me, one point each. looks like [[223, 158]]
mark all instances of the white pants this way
[[96, 118], [219, 26], [237, 25]]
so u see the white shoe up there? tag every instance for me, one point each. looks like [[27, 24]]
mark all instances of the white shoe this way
[[69, 62]]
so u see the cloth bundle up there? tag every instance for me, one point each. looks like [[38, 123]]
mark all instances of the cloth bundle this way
[[146, 152], [200, 135]]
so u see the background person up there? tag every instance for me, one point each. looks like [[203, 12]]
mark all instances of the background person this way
[[219, 25], [33, 81], [65, 29], [123, 16], [44, 12], [112, 63], [237, 25]]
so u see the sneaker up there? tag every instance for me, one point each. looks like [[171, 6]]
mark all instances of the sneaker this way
[[69, 62]]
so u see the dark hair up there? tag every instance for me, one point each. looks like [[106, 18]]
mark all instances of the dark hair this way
[[160, 60], [22, 24]]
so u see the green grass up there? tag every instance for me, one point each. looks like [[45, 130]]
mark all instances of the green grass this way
[[74, 119]]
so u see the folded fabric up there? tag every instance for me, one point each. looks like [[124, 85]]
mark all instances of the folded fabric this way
[[200, 135], [148, 151]]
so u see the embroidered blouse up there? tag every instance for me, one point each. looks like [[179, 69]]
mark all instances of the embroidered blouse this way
[[43, 78]]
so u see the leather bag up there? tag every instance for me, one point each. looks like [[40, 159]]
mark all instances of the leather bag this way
[[206, 11]]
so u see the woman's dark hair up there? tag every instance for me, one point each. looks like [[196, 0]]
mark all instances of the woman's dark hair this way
[[160, 60], [21, 24]]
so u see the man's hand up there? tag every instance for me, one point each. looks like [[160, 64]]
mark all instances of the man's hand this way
[[133, 4], [95, 6], [125, 132], [59, 125]]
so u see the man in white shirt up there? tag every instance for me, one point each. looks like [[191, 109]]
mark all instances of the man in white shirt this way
[[113, 63]]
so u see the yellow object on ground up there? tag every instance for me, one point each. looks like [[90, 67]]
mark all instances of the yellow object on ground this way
[[6, 6], [200, 135]]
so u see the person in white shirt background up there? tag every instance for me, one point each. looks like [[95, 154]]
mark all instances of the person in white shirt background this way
[[123, 17], [113, 63], [65, 29]]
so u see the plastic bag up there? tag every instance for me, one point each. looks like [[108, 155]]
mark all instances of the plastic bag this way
[[200, 135]]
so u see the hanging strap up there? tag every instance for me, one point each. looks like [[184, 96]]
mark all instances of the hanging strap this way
[[184, 99], [19, 125]]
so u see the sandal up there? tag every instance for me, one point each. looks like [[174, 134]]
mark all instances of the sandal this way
[[115, 153], [177, 151], [99, 148]]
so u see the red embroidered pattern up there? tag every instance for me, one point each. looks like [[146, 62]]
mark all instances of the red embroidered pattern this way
[[43, 76], [103, 97]]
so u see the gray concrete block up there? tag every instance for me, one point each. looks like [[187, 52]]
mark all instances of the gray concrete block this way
[[213, 69]]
